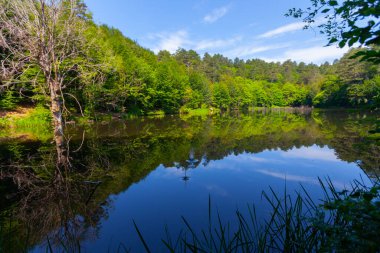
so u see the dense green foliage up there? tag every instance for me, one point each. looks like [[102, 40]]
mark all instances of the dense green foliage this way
[[134, 80], [123, 77]]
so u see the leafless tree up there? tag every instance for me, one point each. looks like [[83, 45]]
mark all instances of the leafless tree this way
[[47, 34]]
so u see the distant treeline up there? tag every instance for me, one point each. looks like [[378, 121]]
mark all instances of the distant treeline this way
[[124, 77]]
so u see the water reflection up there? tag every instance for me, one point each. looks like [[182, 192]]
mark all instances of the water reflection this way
[[89, 205], [191, 163]]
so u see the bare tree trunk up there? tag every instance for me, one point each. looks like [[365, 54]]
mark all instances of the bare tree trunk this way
[[56, 110], [56, 106]]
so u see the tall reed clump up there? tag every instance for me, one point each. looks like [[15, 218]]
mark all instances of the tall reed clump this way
[[347, 220]]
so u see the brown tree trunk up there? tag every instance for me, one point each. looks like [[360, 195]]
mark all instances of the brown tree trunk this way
[[56, 110]]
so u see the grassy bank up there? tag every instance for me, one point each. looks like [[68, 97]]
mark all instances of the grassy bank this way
[[35, 122], [31, 123]]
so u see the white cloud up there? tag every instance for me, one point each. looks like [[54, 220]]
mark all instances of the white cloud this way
[[315, 54], [283, 29], [215, 15], [257, 159], [212, 44], [244, 51], [217, 190], [289, 177], [171, 41], [292, 27], [248, 158], [312, 153], [300, 178]]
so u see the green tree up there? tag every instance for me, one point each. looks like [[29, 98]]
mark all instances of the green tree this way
[[333, 93], [367, 93], [201, 89], [171, 83], [221, 97], [190, 59], [352, 70]]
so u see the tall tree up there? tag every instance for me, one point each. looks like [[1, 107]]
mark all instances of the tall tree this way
[[46, 34]]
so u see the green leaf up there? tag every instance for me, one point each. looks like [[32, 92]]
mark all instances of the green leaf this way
[[333, 40], [325, 10], [368, 196], [352, 41], [141, 238], [342, 43]]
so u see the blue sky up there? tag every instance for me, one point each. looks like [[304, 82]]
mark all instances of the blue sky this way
[[235, 28]]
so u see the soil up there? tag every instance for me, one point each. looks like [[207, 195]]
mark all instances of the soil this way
[[17, 113]]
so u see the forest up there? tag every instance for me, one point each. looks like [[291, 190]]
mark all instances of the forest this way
[[112, 73]]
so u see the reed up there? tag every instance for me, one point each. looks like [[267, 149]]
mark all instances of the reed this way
[[347, 220]]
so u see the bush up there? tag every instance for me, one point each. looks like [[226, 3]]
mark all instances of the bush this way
[[8, 100]]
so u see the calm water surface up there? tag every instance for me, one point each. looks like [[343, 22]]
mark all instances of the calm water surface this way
[[155, 170]]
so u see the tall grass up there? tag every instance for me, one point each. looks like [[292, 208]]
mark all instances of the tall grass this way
[[348, 220], [35, 124]]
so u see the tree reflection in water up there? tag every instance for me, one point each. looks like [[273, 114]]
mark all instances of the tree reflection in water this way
[[191, 163], [53, 204], [50, 196]]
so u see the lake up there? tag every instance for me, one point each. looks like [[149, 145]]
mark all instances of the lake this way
[[155, 170]]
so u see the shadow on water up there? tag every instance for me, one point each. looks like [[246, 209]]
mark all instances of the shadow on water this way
[[56, 196]]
